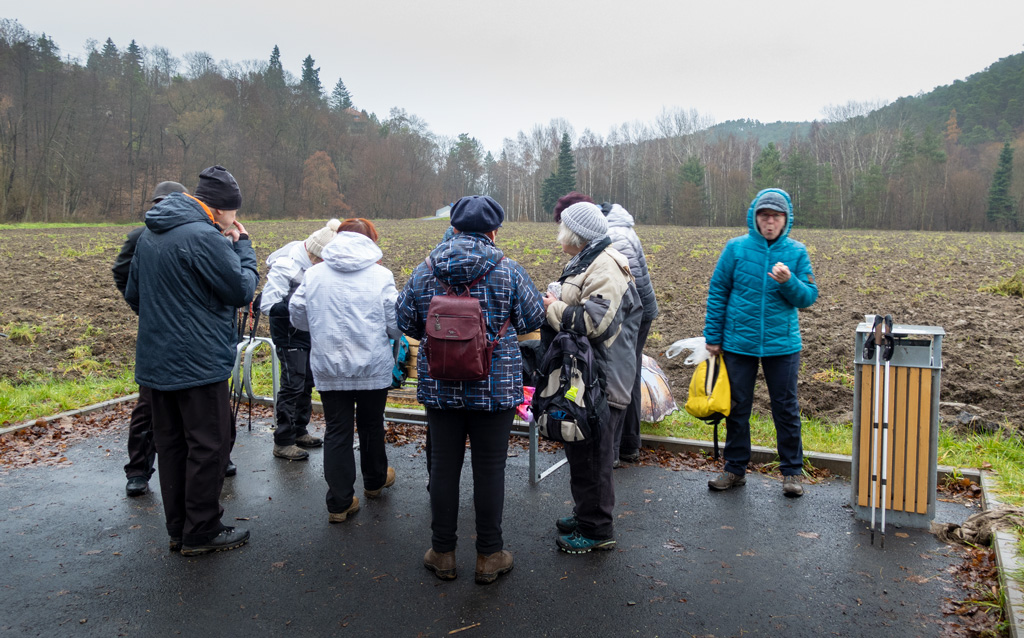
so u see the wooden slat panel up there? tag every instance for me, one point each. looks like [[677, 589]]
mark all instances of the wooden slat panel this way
[[898, 427], [924, 440], [912, 400], [867, 381]]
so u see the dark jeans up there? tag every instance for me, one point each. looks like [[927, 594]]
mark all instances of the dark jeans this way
[[627, 439], [141, 448], [343, 409], [294, 403], [780, 374], [591, 483], [192, 428], [488, 434]]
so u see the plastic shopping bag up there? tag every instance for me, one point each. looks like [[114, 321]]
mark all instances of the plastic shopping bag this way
[[697, 344]]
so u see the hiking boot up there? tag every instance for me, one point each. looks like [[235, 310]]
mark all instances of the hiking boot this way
[[791, 486], [137, 486], [567, 524], [229, 538], [490, 566], [174, 544], [388, 483], [340, 517], [630, 457], [308, 440], [443, 563], [577, 543], [290, 452], [727, 480]]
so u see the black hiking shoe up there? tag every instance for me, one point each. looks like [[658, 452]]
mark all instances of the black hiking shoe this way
[[229, 538]]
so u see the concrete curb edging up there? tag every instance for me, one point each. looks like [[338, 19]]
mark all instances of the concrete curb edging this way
[[1005, 546], [838, 464], [89, 409]]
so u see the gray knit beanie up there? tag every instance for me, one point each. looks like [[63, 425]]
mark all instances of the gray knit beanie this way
[[586, 220]]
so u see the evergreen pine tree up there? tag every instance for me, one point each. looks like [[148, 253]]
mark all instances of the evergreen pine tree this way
[[275, 72], [566, 166], [563, 179], [768, 167], [341, 99], [133, 58], [1000, 204], [310, 81]]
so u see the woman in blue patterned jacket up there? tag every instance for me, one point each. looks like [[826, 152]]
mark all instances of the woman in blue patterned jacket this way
[[480, 410], [761, 279]]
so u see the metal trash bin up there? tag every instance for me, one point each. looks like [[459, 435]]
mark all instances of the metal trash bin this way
[[915, 372]]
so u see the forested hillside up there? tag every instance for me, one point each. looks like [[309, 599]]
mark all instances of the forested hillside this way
[[86, 140]]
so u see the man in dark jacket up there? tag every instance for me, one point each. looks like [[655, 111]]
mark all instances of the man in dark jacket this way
[[141, 450], [193, 267]]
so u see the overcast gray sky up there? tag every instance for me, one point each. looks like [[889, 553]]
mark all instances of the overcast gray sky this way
[[492, 69]]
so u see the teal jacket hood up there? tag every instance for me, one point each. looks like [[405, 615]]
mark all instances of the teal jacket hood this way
[[752, 214]]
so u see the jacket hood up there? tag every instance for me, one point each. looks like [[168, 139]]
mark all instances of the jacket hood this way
[[294, 250], [752, 211], [619, 217], [350, 252], [175, 210], [463, 258]]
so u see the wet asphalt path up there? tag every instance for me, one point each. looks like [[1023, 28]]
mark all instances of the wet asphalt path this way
[[81, 559]]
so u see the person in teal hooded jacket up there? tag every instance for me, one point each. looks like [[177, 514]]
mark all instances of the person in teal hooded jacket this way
[[759, 283]]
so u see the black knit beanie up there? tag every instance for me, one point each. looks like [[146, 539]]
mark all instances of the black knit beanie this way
[[218, 189]]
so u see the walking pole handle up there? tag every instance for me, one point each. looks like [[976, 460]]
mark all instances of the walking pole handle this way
[[871, 343], [890, 341]]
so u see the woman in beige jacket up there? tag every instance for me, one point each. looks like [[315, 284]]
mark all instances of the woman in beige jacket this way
[[598, 298]]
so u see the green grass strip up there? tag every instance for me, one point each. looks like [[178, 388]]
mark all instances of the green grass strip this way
[[1003, 450], [43, 395]]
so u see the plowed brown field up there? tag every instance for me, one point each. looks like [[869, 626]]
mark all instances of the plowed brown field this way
[[63, 315]]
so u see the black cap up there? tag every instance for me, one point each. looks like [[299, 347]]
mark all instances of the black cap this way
[[163, 189], [217, 188], [477, 214]]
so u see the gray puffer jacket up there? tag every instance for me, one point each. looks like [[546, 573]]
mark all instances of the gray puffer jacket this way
[[624, 240]]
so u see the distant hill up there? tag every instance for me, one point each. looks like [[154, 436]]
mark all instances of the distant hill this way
[[777, 132], [989, 104], [989, 107]]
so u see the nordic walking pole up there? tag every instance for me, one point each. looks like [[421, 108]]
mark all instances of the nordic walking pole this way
[[890, 346], [876, 329]]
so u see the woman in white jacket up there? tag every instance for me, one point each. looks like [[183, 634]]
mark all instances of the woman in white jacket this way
[[347, 303]]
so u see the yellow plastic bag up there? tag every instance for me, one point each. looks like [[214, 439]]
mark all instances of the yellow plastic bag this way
[[710, 395]]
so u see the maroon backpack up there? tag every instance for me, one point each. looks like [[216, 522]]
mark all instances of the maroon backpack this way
[[457, 348]]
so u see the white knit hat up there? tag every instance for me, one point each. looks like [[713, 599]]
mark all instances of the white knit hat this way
[[586, 220], [315, 243]]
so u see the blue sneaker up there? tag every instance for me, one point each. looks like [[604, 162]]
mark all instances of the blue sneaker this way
[[567, 524], [576, 543]]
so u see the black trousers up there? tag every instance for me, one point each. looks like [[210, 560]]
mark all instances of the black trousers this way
[[591, 483], [141, 448], [294, 404], [343, 410], [192, 428], [627, 439], [488, 434]]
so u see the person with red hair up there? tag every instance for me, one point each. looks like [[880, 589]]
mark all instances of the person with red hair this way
[[347, 303]]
